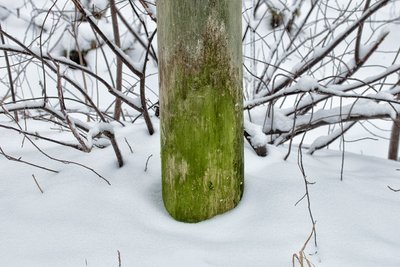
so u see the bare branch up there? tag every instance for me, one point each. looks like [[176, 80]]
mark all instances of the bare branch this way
[[25, 162]]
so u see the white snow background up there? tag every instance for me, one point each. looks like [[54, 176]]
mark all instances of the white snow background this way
[[80, 220]]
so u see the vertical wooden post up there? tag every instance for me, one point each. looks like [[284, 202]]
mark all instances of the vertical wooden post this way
[[200, 66]]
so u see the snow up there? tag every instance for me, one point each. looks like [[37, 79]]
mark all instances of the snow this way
[[325, 140], [150, 7], [345, 69], [80, 218], [99, 4], [383, 96], [277, 121], [23, 105], [334, 90], [257, 137], [366, 108], [279, 5], [306, 84], [4, 13], [318, 51], [98, 128]]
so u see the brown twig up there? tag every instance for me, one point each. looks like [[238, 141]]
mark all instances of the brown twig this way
[[44, 59], [301, 256], [148, 10], [138, 38], [306, 184], [56, 159], [119, 258], [308, 64], [130, 148], [143, 100], [114, 144], [25, 162], [10, 78], [38, 136], [394, 190], [116, 50], [359, 36], [70, 122], [37, 184], [121, 55], [147, 162], [114, 19]]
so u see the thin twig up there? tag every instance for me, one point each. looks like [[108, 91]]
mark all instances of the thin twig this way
[[306, 184], [148, 10], [394, 190], [123, 57], [114, 144], [343, 142], [36, 182], [10, 78], [143, 100], [147, 162], [114, 20], [38, 136], [137, 36], [56, 159], [68, 119], [119, 258], [359, 36], [25, 162], [130, 148], [301, 256]]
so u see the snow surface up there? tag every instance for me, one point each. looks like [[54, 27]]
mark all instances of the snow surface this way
[[79, 220]]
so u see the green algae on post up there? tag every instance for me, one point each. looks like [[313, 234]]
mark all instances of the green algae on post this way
[[200, 106]]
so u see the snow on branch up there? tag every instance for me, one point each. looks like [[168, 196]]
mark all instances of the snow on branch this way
[[150, 8], [132, 102], [257, 136], [124, 57], [322, 51], [362, 109], [96, 130], [326, 140], [338, 90]]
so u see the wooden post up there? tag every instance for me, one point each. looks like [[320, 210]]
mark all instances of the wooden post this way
[[201, 110]]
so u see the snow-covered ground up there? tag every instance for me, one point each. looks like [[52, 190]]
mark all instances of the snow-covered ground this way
[[80, 220]]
